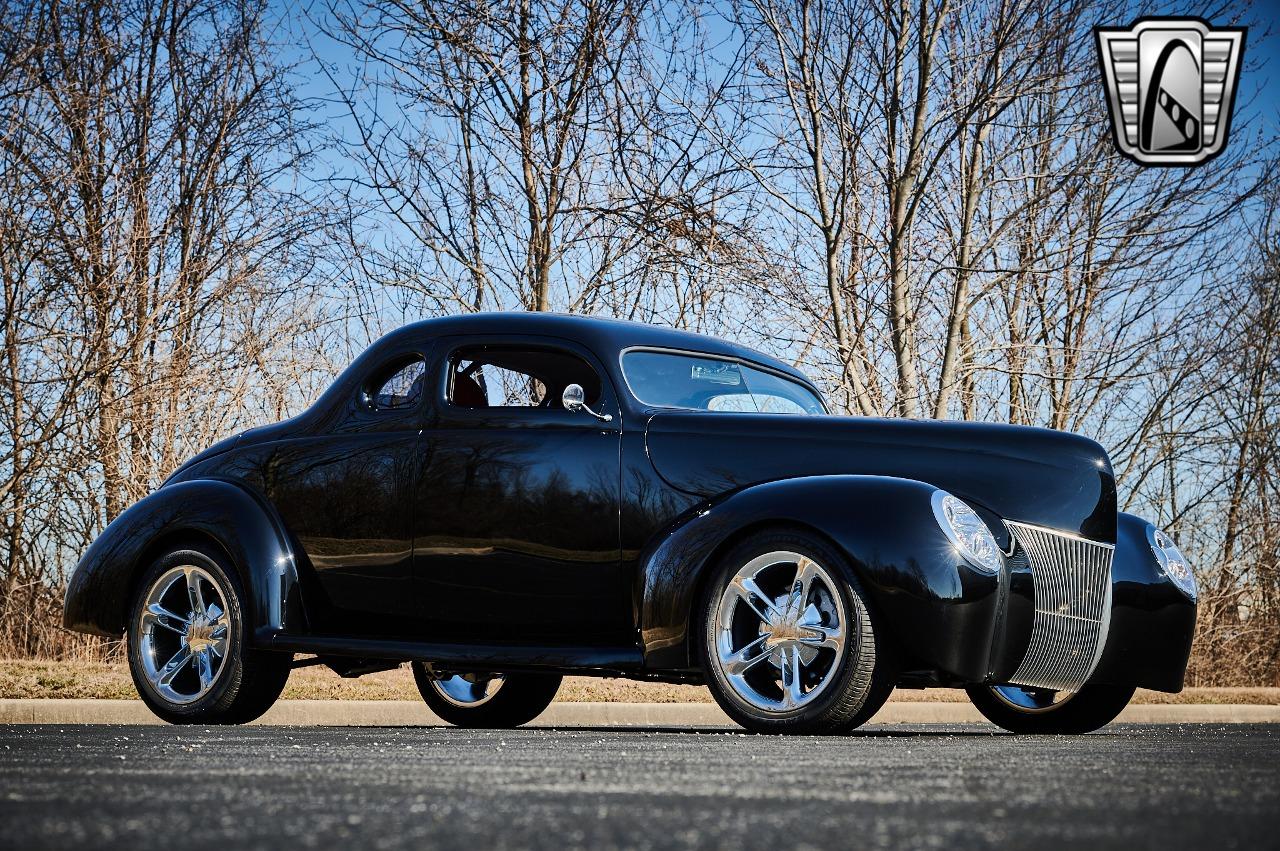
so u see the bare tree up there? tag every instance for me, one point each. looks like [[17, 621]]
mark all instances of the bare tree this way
[[1227, 509], [496, 138], [149, 247], [916, 200]]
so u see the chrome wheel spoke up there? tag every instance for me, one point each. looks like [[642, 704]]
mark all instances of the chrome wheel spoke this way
[[792, 670], [806, 572], [749, 592], [195, 594], [160, 616], [219, 624], [821, 636], [789, 625], [164, 676], [744, 659], [204, 667]]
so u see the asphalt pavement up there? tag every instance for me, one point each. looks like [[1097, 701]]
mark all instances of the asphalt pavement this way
[[1132, 786]]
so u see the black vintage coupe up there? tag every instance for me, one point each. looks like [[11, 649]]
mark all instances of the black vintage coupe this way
[[504, 499]]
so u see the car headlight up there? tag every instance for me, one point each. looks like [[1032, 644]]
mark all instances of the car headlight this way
[[1172, 562], [967, 532]]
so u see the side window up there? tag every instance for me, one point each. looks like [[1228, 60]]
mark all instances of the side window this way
[[499, 377], [499, 386], [396, 386]]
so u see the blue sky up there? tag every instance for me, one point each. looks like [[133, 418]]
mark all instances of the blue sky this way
[[1257, 105], [1262, 84], [1256, 115]]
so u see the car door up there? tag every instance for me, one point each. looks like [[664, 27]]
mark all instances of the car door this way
[[344, 496], [516, 512]]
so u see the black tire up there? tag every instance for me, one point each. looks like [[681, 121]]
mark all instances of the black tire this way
[[1089, 709], [861, 677], [876, 700], [520, 699], [248, 680]]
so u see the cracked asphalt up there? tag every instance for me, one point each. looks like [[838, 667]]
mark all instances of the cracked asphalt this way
[[921, 786]]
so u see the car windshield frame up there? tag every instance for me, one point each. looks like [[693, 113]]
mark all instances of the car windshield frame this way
[[740, 362]]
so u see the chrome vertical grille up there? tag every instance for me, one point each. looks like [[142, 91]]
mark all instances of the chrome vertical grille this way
[[1072, 578]]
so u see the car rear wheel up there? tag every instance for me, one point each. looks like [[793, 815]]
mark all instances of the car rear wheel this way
[[1023, 709], [485, 700], [789, 640], [188, 652]]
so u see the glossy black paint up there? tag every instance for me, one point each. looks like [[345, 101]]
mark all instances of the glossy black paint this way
[[207, 512], [1047, 478], [473, 656], [340, 479], [516, 534], [940, 611], [1013, 630], [1152, 622], [506, 539], [344, 500]]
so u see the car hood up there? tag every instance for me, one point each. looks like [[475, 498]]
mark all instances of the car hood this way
[[1047, 478]]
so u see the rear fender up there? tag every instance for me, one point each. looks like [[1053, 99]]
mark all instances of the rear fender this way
[[939, 611], [245, 528]]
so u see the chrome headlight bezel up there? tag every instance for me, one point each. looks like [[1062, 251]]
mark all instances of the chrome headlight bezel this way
[[1172, 562], [967, 532]]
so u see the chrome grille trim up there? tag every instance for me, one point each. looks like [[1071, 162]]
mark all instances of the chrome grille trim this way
[[1072, 579]]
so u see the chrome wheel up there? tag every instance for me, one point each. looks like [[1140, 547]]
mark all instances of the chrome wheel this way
[[780, 631], [183, 628], [466, 690], [1031, 700]]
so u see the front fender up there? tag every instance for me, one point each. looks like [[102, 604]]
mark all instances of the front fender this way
[[941, 612], [1152, 621], [98, 592]]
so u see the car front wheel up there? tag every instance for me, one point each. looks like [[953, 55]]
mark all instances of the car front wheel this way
[[1023, 709], [485, 700], [188, 651], [788, 642]]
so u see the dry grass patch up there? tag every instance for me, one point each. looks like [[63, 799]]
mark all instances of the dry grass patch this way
[[110, 680]]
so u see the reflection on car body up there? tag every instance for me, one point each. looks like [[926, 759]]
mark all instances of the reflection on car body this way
[[502, 499]]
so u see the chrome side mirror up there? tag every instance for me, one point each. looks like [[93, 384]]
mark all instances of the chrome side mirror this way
[[574, 398]]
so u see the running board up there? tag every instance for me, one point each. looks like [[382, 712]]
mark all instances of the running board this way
[[481, 657]]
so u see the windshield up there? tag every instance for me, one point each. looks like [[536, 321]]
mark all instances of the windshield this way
[[668, 380]]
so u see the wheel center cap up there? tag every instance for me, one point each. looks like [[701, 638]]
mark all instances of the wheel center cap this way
[[200, 635], [785, 621], [787, 626]]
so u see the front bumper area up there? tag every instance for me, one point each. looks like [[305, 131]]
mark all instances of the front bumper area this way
[[1152, 621], [1098, 617]]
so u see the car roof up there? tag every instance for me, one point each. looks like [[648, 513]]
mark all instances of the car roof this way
[[607, 337]]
